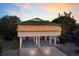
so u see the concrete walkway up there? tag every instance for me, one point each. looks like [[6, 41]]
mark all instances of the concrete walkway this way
[[43, 51]]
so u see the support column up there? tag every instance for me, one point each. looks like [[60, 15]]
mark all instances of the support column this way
[[45, 38], [55, 41], [38, 42], [20, 45], [58, 40], [34, 39], [50, 40], [20, 42]]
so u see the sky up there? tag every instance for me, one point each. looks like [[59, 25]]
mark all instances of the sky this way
[[45, 11]]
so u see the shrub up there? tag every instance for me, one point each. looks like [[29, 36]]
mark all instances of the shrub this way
[[15, 44], [63, 38], [77, 38], [1, 45]]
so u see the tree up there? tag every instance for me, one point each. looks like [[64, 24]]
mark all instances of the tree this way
[[77, 26], [8, 24], [1, 45], [68, 22], [15, 43], [77, 38], [69, 25]]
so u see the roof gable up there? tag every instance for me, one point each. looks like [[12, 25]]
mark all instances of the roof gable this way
[[36, 21]]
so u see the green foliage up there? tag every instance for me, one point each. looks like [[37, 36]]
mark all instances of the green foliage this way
[[77, 26], [77, 38], [1, 45], [63, 38], [68, 21], [8, 26], [15, 43], [69, 25]]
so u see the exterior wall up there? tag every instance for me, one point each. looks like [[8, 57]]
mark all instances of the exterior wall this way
[[38, 28], [25, 34]]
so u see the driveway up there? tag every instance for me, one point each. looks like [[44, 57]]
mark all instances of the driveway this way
[[43, 51], [30, 49]]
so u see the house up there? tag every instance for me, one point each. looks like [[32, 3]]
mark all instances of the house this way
[[36, 28]]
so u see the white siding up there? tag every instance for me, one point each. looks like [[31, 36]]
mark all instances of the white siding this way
[[25, 34]]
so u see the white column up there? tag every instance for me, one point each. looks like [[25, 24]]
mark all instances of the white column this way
[[55, 42], [20, 45], [45, 38], [20, 42], [50, 40], [36, 40], [58, 40]]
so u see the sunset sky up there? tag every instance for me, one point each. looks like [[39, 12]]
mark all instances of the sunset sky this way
[[45, 11]]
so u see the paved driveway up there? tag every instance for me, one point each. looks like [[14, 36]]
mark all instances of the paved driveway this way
[[43, 51], [30, 49]]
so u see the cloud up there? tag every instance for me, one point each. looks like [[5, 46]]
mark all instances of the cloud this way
[[24, 6], [58, 7], [12, 12], [47, 10], [22, 15], [76, 16], [49, 7]]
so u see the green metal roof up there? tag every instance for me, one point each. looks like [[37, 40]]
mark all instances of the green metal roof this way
[[36, 21]]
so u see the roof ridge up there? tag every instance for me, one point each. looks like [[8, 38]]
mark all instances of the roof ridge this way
[[36, 19]]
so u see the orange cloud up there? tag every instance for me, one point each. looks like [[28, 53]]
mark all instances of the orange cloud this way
[[51, 8], [58, 7], [76, 14]]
